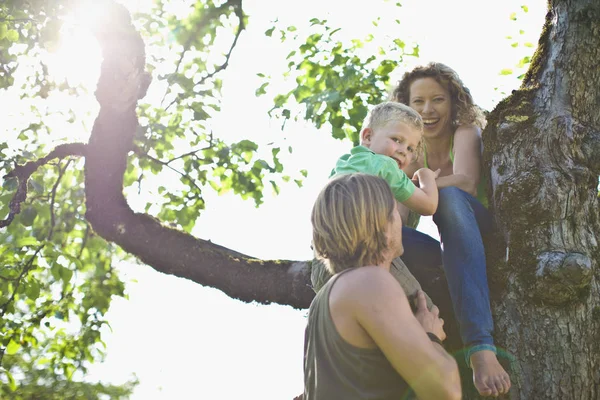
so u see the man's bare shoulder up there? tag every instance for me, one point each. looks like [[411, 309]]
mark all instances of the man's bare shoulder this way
[[368, 282]]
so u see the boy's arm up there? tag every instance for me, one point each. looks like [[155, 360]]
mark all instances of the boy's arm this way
[[424, 199]]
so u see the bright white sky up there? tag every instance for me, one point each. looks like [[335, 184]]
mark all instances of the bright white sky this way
[[184, 341]]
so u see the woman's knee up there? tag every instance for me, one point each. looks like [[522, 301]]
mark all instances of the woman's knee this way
[[453, 205], [451, 198]]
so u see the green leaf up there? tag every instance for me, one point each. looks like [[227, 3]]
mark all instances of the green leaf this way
[[12, 347], [261, 90], [513, 16], [525, 8], [28, 216], [27, 241], [269, 32], [33, 290], [12, 35], [12, 384], [66, 274], [275, 187], [506, 71], [39, 188], [524, 61]]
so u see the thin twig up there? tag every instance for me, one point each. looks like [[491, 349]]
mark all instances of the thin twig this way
[[191, 153], [61, 172], [141, 153], [85, 238]]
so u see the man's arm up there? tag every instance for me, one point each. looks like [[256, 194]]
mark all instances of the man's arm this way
[[382, 309]]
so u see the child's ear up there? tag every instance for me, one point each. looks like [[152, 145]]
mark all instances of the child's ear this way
[[365, 136]]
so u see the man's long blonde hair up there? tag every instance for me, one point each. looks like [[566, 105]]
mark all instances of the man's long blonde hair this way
[[350, 220]]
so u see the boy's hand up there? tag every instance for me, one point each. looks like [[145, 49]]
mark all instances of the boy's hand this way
[[424, 174], [429, 320]]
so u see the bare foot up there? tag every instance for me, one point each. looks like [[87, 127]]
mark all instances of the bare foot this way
[[489, 377]]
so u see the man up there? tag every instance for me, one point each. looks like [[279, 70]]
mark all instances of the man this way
[[362, 339]]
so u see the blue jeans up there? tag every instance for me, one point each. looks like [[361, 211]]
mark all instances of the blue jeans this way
[[461, 220]]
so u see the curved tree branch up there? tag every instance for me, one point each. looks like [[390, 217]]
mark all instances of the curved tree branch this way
[[165, 249]]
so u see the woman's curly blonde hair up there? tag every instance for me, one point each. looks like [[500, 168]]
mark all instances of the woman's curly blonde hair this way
[[464, 110]]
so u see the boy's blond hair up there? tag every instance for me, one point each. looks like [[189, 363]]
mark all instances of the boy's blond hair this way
[[350, 220], [392, 111]]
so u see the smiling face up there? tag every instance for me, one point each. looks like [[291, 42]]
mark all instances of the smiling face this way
[[433, 102], [394, 139]]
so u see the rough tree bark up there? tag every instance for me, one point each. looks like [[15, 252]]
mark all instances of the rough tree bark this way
[[542, 146]]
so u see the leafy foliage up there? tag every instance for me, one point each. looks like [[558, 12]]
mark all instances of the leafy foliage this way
[[36, 381], [56, 276], [337, 80]]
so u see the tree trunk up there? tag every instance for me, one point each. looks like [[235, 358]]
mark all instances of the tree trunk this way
[[542, 149]]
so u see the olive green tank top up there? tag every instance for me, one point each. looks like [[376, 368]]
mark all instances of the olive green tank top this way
[[335, 369], [481, 188]]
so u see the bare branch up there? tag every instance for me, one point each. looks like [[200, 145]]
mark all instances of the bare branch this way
[[141, 153], [23, 172], [190, 153]]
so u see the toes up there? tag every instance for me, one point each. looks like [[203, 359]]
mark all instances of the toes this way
[[483, 387], [499, 385], [506, 383], [484, 391]]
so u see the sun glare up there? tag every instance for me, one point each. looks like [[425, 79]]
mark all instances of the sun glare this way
[[77, 58]]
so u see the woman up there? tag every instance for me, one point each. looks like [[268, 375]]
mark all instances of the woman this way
[[362, 339], [452, 144]]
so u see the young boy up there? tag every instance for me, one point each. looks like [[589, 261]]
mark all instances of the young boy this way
[[390, 138]]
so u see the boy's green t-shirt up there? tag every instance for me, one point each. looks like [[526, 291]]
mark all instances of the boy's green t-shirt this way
[[362, 159]]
